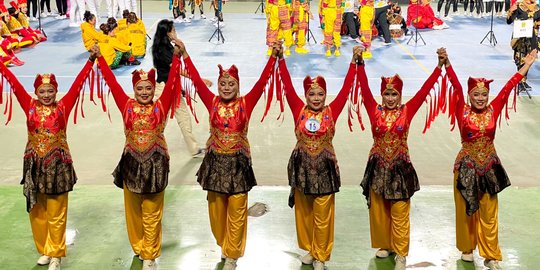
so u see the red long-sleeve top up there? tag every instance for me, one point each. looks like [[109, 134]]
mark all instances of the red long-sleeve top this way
[[321, 139], [143, 124], [390, 128], [47, 124], [477, 128], [229, 121]]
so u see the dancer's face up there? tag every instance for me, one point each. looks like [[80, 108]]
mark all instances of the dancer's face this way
[[391, 99], [24, 9], [315, 98], [92, 21], [228, 88], [144, 92], [46, 94], [479, 98]]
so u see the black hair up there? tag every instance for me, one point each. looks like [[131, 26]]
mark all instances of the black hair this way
[[132, 17], [104, 28], [88, 16], [111, 20], [161, 38], [125, 13]]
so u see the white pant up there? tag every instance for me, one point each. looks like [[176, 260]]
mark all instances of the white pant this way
[[76, 5], [183, 119], [131, 5], [93, 7]]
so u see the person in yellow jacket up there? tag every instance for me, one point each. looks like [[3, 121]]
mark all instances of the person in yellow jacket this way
[[367, 14], [332, 16], [88, 31], [278, 14], [300, 22], [122, 33], [137, 35], [115, 52]]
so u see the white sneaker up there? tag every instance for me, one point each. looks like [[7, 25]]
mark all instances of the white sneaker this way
[[492, 264], [54, 264], [192, 16], [187, 20], [230, 264], [33, 19], [214, 19], [401, 262], [438, 14], [44, 260], [203, 16], [382, 253], [467, 257], [44, 15], [149, 265], [178, 20], [307, 259], [318, 265]]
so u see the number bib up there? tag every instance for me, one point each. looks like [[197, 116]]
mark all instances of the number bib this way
[[312, 125]]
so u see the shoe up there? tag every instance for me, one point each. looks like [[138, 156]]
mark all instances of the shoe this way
[[287, 52], [318, 265], [200, 153], [187, 20], [328, 53], [230, 264], [149, 265], [301, 50], [357, 40], [214, 19], [307, 259], [492, 264], [401, 262], [44, 15], [43, 260], [367, 55], [337, 53], [33, 19], [382, 253], [203, 17], [467, 257], [447, 18], [54, 264], [192, 16], [178, 20], [438, 15], [387, 43]]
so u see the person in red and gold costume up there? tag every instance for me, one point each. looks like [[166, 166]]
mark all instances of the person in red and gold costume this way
[[6, 53], [420, 15], [390, 179], [20, 14], [478, 173], [313, 170], [48, 173], [17, 31], [143, 170], [226, 172]]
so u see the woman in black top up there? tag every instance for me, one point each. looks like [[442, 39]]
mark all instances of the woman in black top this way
[[162, 53]]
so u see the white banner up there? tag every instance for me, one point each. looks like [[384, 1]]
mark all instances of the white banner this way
[[523, 28]]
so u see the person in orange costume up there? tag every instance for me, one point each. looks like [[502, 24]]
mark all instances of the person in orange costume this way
[[21, 17], [478, 173], [390, 179], [48, 173], [226, 172]]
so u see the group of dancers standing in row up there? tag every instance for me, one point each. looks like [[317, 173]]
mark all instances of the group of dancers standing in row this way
[[226, 173]]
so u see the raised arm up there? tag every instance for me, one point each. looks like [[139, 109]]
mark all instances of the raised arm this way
[[71, 97], [365, 92], [295, 103], [501, 99], [169, 92], [119, 95], [337, 104], [255, 93], [202, 90], [20, 93], [512, 13], [414, 104]]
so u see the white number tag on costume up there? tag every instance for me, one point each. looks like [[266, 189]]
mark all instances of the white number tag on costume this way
[[523, 28], [313, 125]]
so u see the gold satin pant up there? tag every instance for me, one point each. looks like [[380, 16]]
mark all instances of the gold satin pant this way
[[143, 220], [390, 224], [228, 221], [481, 228], [315, 223], [48, 219]]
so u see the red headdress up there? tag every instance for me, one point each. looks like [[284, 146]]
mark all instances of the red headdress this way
[[476, 83], [394, 83], [314, 82], [141, 75], [22, 3], [231, 72], [3, 10], [44, 79]]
